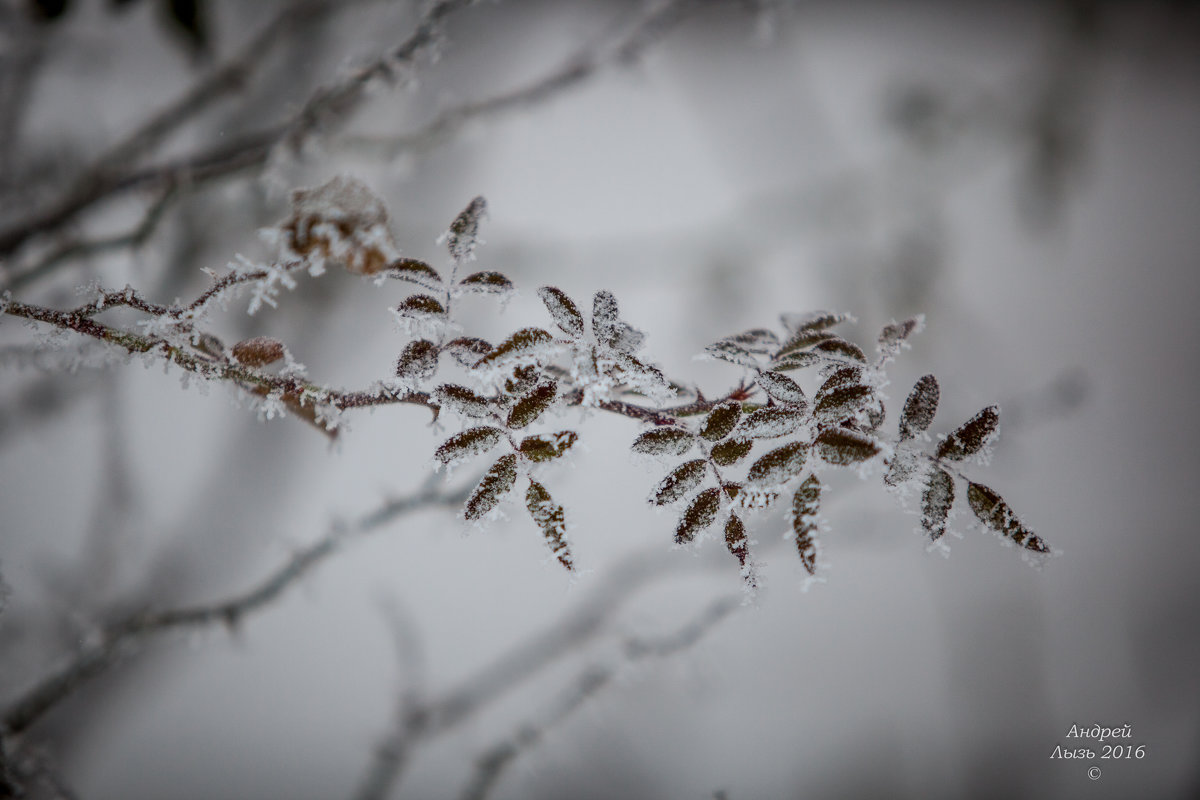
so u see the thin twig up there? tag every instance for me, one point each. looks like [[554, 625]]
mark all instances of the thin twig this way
[[327, 104], [118, 641], [490, 766]]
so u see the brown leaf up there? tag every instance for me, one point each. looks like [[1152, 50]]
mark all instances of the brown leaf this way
[[736, 540], [841, 447], [668, 441], [418, 360], [564, 311], [992, 511], [700, 513], [414, 271], [680, 481], [492, 487], [920, 407], [936, 502], [547, 446], [524, 342], [805, 504], [531, 406], [721, 420], [782, 388], [971, 437], [548, 515], [731, 451], [778, 466], [259, 351], [468, 443]]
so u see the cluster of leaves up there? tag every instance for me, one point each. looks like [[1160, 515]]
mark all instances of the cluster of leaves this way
[[841, 426], [767, 426]]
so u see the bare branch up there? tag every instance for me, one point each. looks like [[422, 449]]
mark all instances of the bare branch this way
[[490, 766], [118, 641]]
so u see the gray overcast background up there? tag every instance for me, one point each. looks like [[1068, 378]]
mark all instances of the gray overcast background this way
[[1025, 175]]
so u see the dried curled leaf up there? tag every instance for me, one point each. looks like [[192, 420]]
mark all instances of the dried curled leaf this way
[[841, 446], [700, 513], [802, 340], [812, 321], [843, 403], [736, 540], [936, 501], [731, 451], [259, 351], [487, 283], [664, 442], [732, 352], [893, 337], [523, 343], [604, 318], [462, 400], [757, 340], [842, 349], [721, 420], [563, 310], [547, 446], [531, 405], [680, 481], [418, 360], [781, 388], [463, 235], [492, 487], [467, 350], [467, 444], [805, 504], [420, 305], [920, 407], [548, 515], [992, 511], [778, 466], [415, 271], [972, 437], [770, 422]]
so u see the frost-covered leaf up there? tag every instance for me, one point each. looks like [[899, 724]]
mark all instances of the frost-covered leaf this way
[[893, 337], [843, 403], [680, 481], [813, 320], [420, 305], [487, 283], [463, 235], [901, 468], [805, 504], [547, 446], [521, 380], [770, 422], [920, 407], [842, 349], [731, 451], [563, 309], [992, 511], [721, 420], [462, 400], [467, 350], [525, 342], [732, 352], [259, 351], [468, 444], [802, 340], [842, 376], [700, 513], [664, 442], [415, 271], [604, 318], [781, 387], [936, 502], [531, 405], [736, 540], [548, 515], [972, 437], [778, 466], [795, 361], [492, 487], [418, 360], [629, 339], [841, 446], [641, 376], [757, 340]]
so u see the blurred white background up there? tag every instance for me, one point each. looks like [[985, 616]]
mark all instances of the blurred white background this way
[[1025, 175]]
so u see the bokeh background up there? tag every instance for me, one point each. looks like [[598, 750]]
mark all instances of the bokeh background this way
[[1024, 174]]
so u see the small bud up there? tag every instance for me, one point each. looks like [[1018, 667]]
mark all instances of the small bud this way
[[259, 351]]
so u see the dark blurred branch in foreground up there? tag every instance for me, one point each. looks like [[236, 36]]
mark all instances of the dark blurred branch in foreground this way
[[490, 767], [119, 641]]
